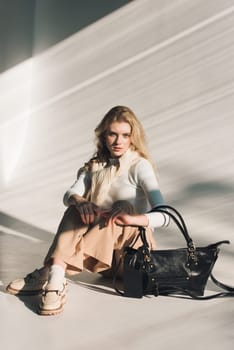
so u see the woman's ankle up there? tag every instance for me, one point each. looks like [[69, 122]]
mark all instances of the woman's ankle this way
[[56, 277], [59, 262]]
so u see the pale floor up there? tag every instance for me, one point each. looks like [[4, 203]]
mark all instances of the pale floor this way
[[95, 317]]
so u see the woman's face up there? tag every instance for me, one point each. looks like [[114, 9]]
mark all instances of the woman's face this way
[[118, 138]]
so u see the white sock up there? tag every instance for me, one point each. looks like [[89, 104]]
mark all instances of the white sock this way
[[56, 277]]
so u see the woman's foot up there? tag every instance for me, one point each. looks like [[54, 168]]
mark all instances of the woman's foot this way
[[53, 300], [54, 294], [32, 284]]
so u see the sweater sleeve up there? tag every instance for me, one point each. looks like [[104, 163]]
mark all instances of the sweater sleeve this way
[[149, 183], [80, 187]]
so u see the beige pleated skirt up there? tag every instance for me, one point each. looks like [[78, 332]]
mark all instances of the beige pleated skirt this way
[[96, 248]]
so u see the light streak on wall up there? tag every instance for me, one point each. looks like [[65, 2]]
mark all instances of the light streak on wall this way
[[15, 113], [12, 141]]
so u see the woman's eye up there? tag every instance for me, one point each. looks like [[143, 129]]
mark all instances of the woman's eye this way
[[113, 134]]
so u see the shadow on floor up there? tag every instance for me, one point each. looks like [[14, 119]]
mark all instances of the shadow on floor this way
[[96, 282]]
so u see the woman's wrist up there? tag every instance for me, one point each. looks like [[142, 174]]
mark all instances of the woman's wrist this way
[[77, 200], [143, 220]]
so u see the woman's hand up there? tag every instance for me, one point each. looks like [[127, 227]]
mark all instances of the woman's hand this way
[[119, 217], [88, 211]]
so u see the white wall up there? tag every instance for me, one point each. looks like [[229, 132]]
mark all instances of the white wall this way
[[172, 63]]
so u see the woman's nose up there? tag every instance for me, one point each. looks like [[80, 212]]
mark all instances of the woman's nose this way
[[118, 139]]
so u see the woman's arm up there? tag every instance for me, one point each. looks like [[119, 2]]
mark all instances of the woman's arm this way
[[75, 196], [78, 190], [131, 220], [159, 219], [149, 183], [75, 199]]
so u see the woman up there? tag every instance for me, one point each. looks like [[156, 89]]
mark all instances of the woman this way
[[112, 195]]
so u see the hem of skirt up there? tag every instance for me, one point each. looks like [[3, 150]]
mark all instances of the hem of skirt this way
[[76, 269]]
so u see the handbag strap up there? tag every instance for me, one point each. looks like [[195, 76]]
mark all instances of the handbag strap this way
[[180, 223], [229, 291], [176, 217], [221, 284]]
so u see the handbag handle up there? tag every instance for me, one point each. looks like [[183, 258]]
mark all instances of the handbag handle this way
[[180, 223], [178, 219]]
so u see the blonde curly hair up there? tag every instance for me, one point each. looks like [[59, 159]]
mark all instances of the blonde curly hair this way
[[120, 114]]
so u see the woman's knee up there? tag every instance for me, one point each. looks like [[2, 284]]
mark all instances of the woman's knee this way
[[71, 219], [71, 212]]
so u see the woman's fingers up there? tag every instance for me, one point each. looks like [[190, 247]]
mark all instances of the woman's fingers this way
[[87, 212]]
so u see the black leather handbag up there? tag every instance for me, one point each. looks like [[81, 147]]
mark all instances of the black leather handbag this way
[[173, 271]]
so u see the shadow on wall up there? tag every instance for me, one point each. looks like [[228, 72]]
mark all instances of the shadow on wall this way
[[40, 24], [209, 188], [16, 32], [205, 203], [209, 196]]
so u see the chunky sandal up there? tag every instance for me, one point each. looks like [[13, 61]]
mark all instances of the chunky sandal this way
[[32, 284], [52, 301]]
